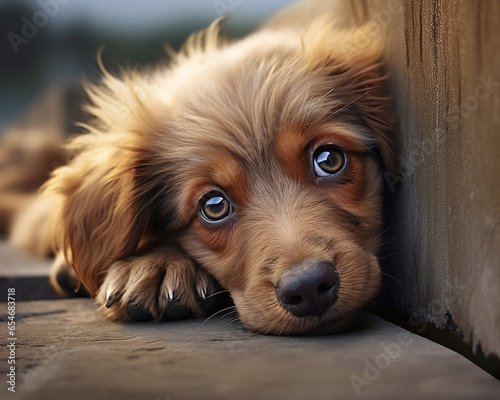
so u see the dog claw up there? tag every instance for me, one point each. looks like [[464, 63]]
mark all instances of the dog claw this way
[[110, 299], [170, 293], [203, 293]]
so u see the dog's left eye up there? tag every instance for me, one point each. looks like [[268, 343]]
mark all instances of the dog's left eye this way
[[328, 160], [215, 207]]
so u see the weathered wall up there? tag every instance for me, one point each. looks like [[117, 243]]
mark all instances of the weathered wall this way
[[444, 61], [444, 58]]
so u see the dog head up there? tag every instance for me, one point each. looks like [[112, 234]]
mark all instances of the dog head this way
[[258, 159]]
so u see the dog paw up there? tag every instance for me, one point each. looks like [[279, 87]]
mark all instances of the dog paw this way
[[159, 285]]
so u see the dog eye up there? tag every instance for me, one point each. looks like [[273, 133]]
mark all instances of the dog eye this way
[[328, 160], [215, 207]]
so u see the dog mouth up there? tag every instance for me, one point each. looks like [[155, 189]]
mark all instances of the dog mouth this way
[[285, 323], [310, 298]]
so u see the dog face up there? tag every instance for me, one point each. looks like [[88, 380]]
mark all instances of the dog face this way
[[257, 159], [275, 183], [294, 242]]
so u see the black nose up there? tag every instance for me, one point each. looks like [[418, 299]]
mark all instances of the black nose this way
[[308, 288]]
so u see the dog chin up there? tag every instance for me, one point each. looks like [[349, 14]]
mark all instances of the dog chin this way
[[303, 326]]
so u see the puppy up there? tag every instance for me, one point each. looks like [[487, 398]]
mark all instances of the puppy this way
[[251, 165]]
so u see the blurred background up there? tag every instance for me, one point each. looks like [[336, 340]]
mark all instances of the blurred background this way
[[47, 45]]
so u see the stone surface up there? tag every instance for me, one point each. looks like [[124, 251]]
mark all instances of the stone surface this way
[[28, 274], [65, 349]]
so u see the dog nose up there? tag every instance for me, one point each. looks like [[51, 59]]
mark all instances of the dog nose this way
[[308, 288]]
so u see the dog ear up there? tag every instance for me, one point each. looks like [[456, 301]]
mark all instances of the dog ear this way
[[103, 198], [353, 61], [98, 216]]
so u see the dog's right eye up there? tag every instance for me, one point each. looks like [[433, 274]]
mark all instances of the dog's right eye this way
[[328, 160], [215, 207]]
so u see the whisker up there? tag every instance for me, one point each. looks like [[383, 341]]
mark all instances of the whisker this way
[[391, 276], [217, 293], [278, 321], [372, 303], [390, 238], [350, 103], [282, 326], [217, 313], [388, 241], [388, 228], [390, 289], [388, 256], [327, 93], [369, 149], [233, 321]]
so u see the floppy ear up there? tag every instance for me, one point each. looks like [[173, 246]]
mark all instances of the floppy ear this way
[[98, 216], [352, 59], [103, 198]]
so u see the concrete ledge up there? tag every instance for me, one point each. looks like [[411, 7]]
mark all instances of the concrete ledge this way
[[65, 349], [29, 275]]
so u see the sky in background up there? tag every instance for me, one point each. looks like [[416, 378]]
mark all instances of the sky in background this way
[[128, 15]]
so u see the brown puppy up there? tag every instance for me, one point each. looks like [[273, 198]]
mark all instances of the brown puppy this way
[[252, 163]]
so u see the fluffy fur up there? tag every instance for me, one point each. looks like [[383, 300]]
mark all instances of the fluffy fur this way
[[243, 119]]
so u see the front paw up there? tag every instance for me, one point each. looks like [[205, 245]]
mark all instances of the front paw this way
[[159, 285]]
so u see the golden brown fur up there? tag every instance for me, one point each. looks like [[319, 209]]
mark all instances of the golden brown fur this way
[[242, 119]]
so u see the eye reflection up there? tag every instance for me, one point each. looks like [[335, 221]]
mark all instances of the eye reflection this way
[[328, 160], [215, 207]]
